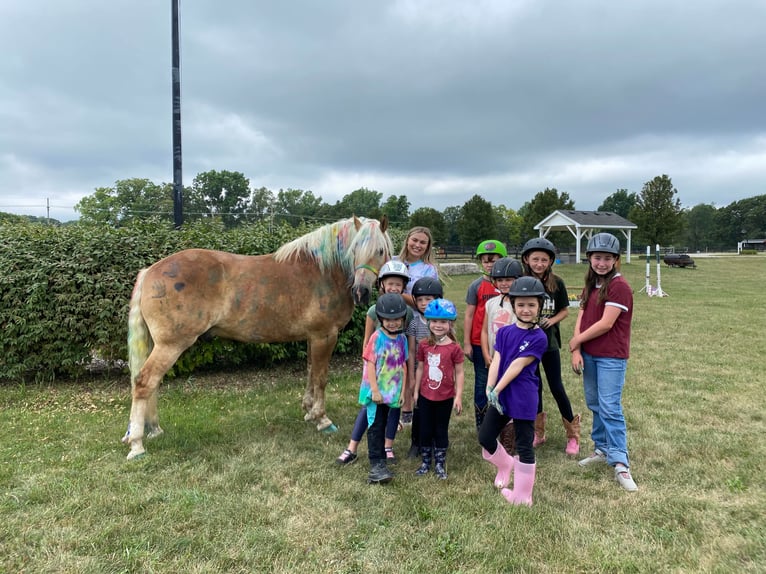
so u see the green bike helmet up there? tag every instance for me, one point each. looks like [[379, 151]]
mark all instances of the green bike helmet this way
[[441, 309], [604, 243], [427, 286], [539, 244], [506, 267], [491, 246]]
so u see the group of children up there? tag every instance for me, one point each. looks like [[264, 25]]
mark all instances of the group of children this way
[[413, 372]]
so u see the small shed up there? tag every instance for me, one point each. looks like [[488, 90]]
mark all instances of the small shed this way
[[583, 224]]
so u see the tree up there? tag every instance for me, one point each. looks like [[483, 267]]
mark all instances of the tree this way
[[744, 219], [620, 202], [509, 224], [657, 212], [451, 218], [362, 202], [434, 220], [700, 223], [540, 207], [397, 208], [261, 204], [477, 222], [126, 201], [221, 193], [296, 206]]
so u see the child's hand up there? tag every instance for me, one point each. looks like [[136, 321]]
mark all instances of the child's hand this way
[[493, 400], [458, 406], [577, 364], [377, 398], [468, 352]]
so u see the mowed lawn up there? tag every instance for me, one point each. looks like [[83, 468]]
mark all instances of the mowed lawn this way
[[240, 483]]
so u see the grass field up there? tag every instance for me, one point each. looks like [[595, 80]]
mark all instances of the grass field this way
[[239, 483]]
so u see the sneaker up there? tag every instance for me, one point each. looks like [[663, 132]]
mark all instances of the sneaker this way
[[597, 456], [390, 456], [346, 457], [622, 476], [406, 418]]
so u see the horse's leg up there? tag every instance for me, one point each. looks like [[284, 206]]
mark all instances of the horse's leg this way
[[320, 351], [144, 403], [152, 427], [308, 396]]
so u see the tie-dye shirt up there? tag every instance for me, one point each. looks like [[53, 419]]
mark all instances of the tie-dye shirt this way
[[389, 355]]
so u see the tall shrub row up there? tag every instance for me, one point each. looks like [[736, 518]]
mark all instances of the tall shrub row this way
[[64, 294]]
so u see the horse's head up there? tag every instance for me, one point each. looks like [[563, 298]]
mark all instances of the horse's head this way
[[371, 249]]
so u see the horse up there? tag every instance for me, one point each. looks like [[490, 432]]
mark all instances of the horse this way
[[305, 291]]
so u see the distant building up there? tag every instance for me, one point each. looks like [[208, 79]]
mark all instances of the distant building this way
[[757, 244], [584, 224]]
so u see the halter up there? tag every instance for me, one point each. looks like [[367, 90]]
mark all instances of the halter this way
[[367, 267]]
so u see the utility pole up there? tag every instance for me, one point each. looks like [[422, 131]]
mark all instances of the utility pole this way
[[178, 190]]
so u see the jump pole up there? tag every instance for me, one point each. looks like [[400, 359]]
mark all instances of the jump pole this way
[[647, 285], [658, 292]]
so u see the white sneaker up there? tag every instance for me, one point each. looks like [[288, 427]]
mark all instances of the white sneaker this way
[[597, 456], [622, 476]]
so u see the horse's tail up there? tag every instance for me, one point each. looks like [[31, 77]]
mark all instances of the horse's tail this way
[[139, 339]]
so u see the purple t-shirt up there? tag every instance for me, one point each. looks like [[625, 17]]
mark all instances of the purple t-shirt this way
[[519, 398]]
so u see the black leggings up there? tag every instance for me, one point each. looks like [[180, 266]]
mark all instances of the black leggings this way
[[552, 366], [434, 422], [525, 433]]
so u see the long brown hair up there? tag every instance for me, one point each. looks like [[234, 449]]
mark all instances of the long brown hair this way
[[591, 280], [549, 278]]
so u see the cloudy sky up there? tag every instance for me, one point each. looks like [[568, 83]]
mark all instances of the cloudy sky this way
[[435, 99]]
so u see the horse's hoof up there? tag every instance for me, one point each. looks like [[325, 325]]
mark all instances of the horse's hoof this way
[[329, 429], [137, 454], [154, 432], [126, 438]]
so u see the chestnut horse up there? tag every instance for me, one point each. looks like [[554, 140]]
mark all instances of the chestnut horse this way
[[306, 291]]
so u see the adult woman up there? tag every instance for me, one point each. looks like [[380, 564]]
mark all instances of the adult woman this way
[[417, 254]]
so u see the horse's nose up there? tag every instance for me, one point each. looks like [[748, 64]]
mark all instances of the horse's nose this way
[[361, 295]]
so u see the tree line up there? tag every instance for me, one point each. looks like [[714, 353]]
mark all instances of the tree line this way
[[227, 196]]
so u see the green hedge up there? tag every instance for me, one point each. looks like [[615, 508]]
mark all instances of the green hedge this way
[[65, 293]]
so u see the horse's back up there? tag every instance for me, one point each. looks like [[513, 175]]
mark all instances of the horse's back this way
[[242, 297]]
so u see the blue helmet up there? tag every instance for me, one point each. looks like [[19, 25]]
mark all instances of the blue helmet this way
[[441, 309]]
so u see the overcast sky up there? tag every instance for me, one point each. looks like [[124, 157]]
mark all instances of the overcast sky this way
[[435, 99]]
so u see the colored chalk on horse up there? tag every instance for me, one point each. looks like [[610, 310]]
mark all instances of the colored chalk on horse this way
[[331, 429]]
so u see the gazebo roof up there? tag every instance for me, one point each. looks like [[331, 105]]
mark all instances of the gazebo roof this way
[[590, 219]]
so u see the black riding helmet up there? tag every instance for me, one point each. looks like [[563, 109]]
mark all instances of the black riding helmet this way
[[506, 267], [527, 287], [428, 286], [539, 244], [390, 306], [604, 243]]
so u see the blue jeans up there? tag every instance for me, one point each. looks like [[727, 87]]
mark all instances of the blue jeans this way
[[603, 379]]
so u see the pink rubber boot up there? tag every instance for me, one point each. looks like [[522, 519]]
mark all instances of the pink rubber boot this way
[[523, 483], [504, 463]]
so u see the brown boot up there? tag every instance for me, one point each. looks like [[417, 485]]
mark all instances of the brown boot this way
[[508, 438], [573, 435], [539, 429]]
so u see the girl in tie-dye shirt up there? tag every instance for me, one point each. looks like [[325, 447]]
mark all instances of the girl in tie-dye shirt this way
[[383, 377]]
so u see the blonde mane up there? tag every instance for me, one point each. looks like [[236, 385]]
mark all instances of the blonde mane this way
[[339, 243]]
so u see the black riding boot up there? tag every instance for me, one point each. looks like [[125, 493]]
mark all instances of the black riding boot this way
[[426, 464]]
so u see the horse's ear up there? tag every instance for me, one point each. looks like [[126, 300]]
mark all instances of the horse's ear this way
[[384, 223], [357, 223]]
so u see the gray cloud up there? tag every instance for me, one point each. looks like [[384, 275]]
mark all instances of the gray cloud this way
[[436, 100]]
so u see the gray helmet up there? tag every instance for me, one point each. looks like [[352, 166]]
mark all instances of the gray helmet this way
[[527, 287], [506, 267], [390, 306], [539, 244], [604, 243], [427, 286]]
